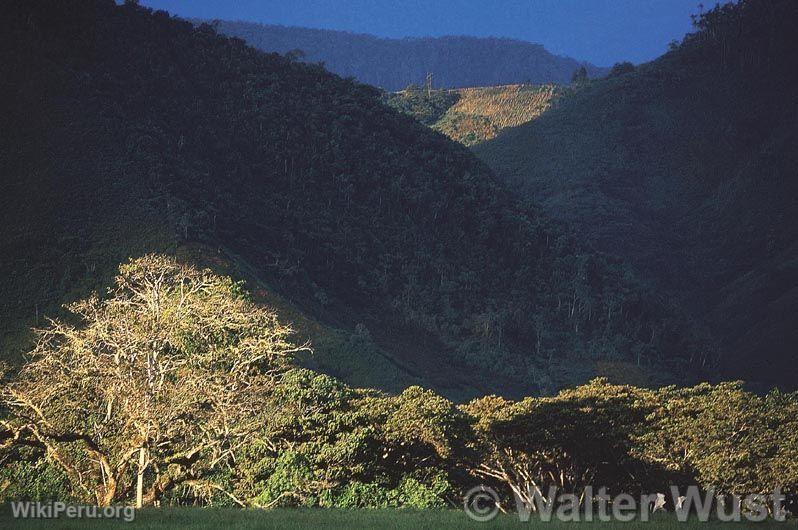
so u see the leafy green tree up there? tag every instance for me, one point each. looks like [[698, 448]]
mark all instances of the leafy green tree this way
[[580, 437], [353, 448], [725, 438]]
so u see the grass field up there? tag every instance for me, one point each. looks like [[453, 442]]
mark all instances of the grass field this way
[[213, 519]]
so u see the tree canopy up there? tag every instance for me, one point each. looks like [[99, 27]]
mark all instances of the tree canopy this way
[[165, 376]]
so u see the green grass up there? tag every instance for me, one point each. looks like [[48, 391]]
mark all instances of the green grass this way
[[216, 518]]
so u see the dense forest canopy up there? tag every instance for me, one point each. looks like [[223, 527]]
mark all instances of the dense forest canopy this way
[[392, 64], [176, 389], [137, 132], [686, 168]]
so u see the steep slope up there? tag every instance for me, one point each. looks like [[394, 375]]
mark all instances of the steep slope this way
[[393, 64], [687, 168], [128, 131], [472, 115]]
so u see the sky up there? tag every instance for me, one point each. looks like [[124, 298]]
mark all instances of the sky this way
[[602, 32]]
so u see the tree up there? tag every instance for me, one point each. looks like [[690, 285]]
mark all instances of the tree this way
[[582, 436], [158, 384], [725, 438], [295, 55], [580, 76], [620, 69], [330, 445]]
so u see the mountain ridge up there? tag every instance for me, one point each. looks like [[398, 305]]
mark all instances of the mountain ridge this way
[[392, 64]]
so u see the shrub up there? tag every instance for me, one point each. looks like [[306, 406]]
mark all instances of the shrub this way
[[33, 480], [290, 484], [360, 495], [413, 493]]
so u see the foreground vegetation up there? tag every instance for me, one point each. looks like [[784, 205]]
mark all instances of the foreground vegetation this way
[[175, 388]]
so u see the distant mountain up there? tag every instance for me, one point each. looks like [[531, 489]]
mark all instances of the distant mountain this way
[[393, 64], [686, 167], [393, 249], [473, 115]]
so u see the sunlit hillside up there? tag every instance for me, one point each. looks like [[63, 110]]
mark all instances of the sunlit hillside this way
[[481, 113], [473, 115]]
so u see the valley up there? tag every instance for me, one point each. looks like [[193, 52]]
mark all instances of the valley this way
[[245, 265]]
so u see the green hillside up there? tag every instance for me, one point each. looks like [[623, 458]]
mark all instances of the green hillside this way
[[284, 293], [473, 115], [686, 167], [394, 247]]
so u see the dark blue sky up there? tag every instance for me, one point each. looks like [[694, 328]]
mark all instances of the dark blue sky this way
[[600, 31]]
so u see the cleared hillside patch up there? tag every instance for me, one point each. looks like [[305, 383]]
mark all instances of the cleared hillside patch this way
[[473, 115], [481, 113]]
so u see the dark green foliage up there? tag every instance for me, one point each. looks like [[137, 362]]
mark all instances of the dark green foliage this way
[[623, 68], [290, 474], [132, 122], [418, 450], [28, 476], [726, 438], [579, 76], [353, 448], [632, 439], [583, 436], [685, 168], [427, 106], [307, 439], [393, 64]]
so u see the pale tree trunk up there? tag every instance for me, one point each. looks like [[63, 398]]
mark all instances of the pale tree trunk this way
[[140, 479]]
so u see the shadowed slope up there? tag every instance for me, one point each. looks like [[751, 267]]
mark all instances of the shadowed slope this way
[[686, 167], [135, 131]]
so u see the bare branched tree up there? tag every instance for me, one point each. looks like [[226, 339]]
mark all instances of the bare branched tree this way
[[155, 386]]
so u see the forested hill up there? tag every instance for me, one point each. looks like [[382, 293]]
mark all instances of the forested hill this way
[[686, 167], [127, 132], [392, 64]]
